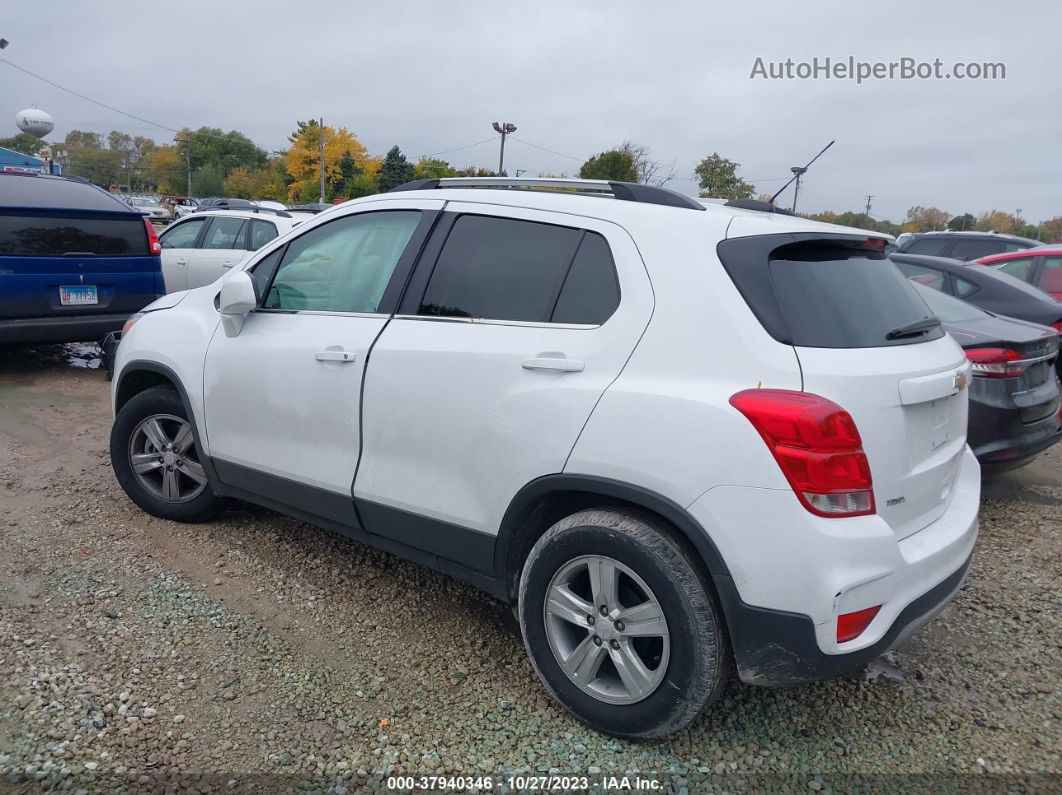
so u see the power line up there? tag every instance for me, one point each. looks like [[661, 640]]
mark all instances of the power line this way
[[544, 149], [459, 148], [88, 99]]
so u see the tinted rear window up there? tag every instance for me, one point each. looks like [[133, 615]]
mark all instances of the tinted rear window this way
[[56, 236], [929, 245], [824, 294]]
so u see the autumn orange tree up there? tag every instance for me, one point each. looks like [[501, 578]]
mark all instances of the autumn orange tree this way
[[303, 159]]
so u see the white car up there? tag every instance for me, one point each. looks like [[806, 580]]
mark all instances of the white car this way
[[679, 439], [148, 206], [199, 248]]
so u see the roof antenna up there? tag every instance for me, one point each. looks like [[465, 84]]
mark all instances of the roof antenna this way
[[798, 172]]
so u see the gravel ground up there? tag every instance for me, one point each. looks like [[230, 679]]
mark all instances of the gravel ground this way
[[258, 653]]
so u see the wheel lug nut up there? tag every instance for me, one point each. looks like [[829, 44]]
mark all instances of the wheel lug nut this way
[[614, 644], [597, 640], [619, 626], [591, 620], [604, 610]]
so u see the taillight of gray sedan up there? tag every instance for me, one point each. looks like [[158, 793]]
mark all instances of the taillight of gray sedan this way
[[1014, 393]]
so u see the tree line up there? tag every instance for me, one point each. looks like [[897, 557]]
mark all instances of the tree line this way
[[231, 164]]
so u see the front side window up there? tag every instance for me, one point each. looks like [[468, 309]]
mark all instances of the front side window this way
[[1018, 268], [500, 269], [343, 266], [182, 235], [225, 232]]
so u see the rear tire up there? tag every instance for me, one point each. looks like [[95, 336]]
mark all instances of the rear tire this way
[[156, 460], [619, 625]]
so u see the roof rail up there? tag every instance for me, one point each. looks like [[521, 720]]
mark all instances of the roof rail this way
[[248, 208], [758, 204], [625, 191]]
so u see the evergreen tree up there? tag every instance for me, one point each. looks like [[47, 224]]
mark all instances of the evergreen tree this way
[[395, 170]]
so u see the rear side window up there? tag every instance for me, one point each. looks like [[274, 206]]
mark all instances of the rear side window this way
[[500, 269], [590, 293], [932, 246], [824, 293], [975, 249], [58, 235], [261, 233], [925, 276]]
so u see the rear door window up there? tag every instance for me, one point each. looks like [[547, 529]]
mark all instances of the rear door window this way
[[931, 246], [225, 233], [1051, 275], [975, 249], [261, 233], [501, 269], [591, 292], [826, 293], [58, 235]]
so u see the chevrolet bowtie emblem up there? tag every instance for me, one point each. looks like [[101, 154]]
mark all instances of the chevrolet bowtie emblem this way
[[960, 380]]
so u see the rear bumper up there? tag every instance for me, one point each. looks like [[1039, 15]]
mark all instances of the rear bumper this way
[[1005, 442], [67, 328], [792, 574], [776, 648]]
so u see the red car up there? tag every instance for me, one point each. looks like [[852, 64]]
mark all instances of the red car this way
[[1041, 267]]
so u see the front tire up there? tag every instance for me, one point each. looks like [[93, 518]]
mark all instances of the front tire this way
[[619, 625], [156, 460]]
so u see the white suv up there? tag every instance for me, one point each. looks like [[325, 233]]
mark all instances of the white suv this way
[[679, 439], [199, 248]]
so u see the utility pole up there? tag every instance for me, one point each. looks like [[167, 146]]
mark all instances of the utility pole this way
[[321, 164], [869, 197], [799, 171], [188, 156], [505, 128]]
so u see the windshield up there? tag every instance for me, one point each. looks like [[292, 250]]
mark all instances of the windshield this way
[[947, 308], [137, 202]]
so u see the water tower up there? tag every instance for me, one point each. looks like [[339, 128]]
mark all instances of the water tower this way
[[34, 121]]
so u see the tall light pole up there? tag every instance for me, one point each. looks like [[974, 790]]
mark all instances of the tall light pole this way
[[505, 128], [870, 198], [321, 162]]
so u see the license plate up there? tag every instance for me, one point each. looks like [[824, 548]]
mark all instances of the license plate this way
[[74, 296]]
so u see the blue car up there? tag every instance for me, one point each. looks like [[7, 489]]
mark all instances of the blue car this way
[[75, 261]]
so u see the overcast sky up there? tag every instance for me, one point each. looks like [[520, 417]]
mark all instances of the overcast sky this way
[[579, 77]]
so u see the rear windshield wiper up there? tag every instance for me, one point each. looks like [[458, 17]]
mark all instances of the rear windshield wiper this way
[[911, 329]]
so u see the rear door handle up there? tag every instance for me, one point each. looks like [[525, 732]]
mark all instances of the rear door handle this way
[[551, 363], [227, 264], [334, 356], [182, 262]]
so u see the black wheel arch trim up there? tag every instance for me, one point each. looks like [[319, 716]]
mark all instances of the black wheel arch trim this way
[[523, 503]]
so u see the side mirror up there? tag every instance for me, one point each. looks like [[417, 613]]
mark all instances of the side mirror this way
[[236, 300]]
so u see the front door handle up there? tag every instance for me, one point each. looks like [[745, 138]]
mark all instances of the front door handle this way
[[227, 264], [552, 363], [334, 356]]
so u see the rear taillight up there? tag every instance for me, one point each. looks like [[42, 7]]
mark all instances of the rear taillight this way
[[153, 238], [996, 362], [1057, 326], [851, 625], [818, 447]]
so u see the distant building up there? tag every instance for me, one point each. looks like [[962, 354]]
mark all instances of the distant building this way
[[10, 160]]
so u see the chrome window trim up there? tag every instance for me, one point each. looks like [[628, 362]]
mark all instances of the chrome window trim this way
[[489, 322]]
